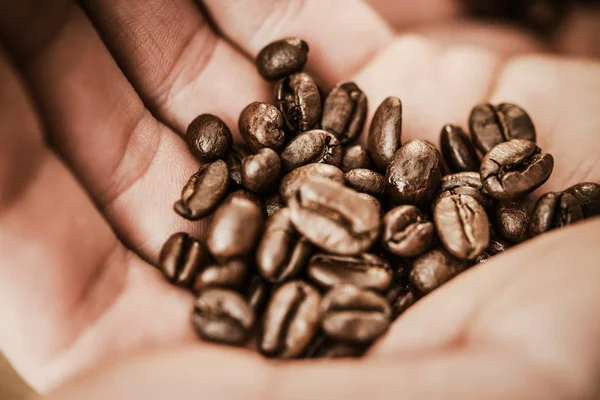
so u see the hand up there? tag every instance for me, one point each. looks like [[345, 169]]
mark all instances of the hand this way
[[89, 173]]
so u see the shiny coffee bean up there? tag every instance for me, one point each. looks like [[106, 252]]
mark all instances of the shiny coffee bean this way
[[414, 173], [512, 221], [351, 314], [366, 271], [261, 125], [433, 269], [385, 132], [290, 321], [462, 225], [400, 297], [222, 316], [261, 171], [282, 251], [355, 156], [325, 347], [406, 233], [208, 138], [314, 146], [281, 58], [457, 149], [466, 183], [257, 293], [299, 101], [334, 217], [291, 182], [182, 258], [588, 194], [376, 203], [555, 210], [273, 204], [230, 274], [514, 169], [204, 191], [344, 112], [496, 246], [366, 181], [233, 159]]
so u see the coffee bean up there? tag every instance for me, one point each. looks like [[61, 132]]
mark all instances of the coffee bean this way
[[433, 269], [299, 101], [466, 183], [351, 314], [376, 203], [291, 182], [355, 156], [555, 210], [512, 221], [366, 181], [182, 258], [233, 159], [261, 125], [204, 190], [281, 58], [325, 347], [518, 123], [273, 204], [208, 138], [366, 271], [457, 149], [406, 233], [223, 316], [400, 297], [261, 171], [230, 274], [414, 173], [385, 132], [588, 194], [344, 111], [514, 169], [257, 292], [496, 246], [314, 146], [334, 217], [291, 320]]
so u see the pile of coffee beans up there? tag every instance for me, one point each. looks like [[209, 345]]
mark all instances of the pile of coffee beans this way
[[317, 243]]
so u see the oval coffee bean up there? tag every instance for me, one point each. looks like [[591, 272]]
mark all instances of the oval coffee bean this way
[[555, 210], [182, 258], [231, 275], [354, 315], [366, 271], [223, 316], [282, 251], [588, 194], [355, 156], [512, 221], [406, 233], [514, 169], [291, 182], [281, 58], [400, 297], [261, 171], [273, 204], [234, 159], [261, 125], [334, 217], [496, 246], [518, 123], [462, 225], [457, 149], [376, 203], [299, 101], [344, 112], [467, 183], [433, 269], [204, 190], [314, 146], [366, 181], [385, 132], [290, 321], [208, 138], [414, 173]]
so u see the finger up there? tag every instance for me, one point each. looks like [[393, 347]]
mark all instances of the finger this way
[[343, 35], [580, 34]]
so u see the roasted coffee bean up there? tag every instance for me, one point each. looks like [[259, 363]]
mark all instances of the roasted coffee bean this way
[[512, 221], [355, 156], [514, 169], [273, 204], [467, 183], [385, 132], [351, 314], [588, 194], [257, 293], [400, 297], [325, 347], [208, 138], [414, 173], [234, 159], [406, 233], [457, 149], [282, 251], [281, 58], [366, 181], [299, 101], [433, 269], [223, 316], [314, 146], [182, 258], [235, 227], [291, 182], [366, 271], [496, 246], [291, 320], [261, 171], [230, 274], [462, 225], [204, 190], [376, 203], [261, 125], [344, 112], [555, 210], [334, 217]]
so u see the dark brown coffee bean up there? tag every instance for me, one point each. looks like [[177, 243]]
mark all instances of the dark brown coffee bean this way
[[281, 58], [334, 217], [496, 246], [400, 297], [261, 125], [406, 233], [235, 227], [344, 112], [234, 159], [325, 347], [466, 183], [514, 169], [555, 210], [355, 156], [299, 101], [366, 181], [414, 173], [433, 269], [291, 182], [314, 146], [230, 274], [366, 271], [182, 258], [291, 320], [457, 149], [588, 194], [261, 171], [518, 123], [376, 203], [354, 315], [257, 292], [204, 190], [208, 138], [223, 316], [273, 204], [385, 132], [512, 221]]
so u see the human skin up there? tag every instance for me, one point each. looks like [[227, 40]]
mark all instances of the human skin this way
[[91, 160]]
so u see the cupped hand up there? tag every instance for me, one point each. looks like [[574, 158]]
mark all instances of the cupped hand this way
[[95, 95]]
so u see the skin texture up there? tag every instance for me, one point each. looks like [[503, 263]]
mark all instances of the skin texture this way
[[110, 318]]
